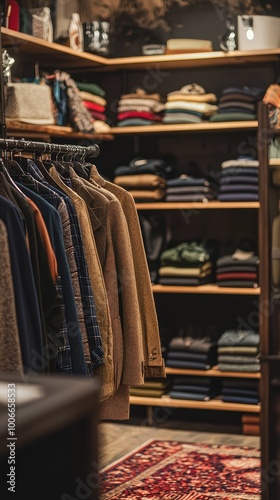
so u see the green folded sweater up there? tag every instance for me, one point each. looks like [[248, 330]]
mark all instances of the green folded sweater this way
[[93, 88]]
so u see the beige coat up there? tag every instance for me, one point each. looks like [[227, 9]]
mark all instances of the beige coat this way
[[115, 253]]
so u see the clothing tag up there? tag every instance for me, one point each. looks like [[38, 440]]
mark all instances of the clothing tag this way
[[140, 162]]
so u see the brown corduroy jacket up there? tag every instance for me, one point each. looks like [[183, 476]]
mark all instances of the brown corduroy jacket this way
[[153, 362]]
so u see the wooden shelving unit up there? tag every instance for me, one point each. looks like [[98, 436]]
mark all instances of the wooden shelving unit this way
[[18, 129], [214, 372], [205, 289], [186, 127], [213, 404], [51, 55], [64, 57], [210, 205], [48, 53]]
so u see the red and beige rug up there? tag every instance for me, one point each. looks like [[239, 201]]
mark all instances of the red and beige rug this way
[[170, 470]]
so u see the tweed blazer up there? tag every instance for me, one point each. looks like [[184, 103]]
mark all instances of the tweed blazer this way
[[153, 362], [10, 351], [114, 248]]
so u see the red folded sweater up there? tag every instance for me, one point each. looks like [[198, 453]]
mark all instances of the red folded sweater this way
[[98, 116], [92, 106], [139, 114]]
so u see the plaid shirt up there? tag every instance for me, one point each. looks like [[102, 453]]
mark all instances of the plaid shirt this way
[[94, 337], [64, 360]]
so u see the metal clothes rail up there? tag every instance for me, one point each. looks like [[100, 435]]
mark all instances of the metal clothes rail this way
[[48, 148]]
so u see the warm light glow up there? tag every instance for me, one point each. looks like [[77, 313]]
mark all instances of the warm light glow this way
[[250, 34]]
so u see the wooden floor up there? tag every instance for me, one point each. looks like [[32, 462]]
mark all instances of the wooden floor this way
[[116, 440]]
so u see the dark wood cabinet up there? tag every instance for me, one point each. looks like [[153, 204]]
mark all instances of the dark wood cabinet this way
[[56, 449]]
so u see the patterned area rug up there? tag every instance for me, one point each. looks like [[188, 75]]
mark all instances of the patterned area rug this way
[[170, 470]]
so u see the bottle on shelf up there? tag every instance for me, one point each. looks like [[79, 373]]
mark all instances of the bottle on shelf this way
[[76, 38]]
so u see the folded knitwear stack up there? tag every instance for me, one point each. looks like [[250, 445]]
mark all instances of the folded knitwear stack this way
[[239, 180], [190, 104], [238, 104], [150, 389], [240, 390], [93, 98], [187, 264], [272, 99], [186, 188], [145, 179], [251, 424], [238, 351], [140, 108], [194, 388], [192, 353], [238, 270]]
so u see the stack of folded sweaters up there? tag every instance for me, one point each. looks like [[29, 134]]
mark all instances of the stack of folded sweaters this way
[[241, 390], [238, 351], [93, 99], [151, 388], [238, 104], [192, 353], [239, 180], [238, 270], [190, 104], [140, 108], [145, 179], [194, 388], [188, 264], [186, 188]]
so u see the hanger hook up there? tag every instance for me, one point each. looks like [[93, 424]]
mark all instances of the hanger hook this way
[[6, 149], [84, 155], [76, 152], [59, 151], [14, 149], [45, 146], [66, 153]]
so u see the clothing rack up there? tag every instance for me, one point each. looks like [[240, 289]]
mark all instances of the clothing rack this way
[[48, 148]]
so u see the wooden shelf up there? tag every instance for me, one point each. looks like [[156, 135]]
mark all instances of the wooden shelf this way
[[201, 59], [18, 129], [205, 289], [186, 127], [213, 404], [274, 162], [214, 372], [64, 57], [15, 128], [49, 54], [166, 205]]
